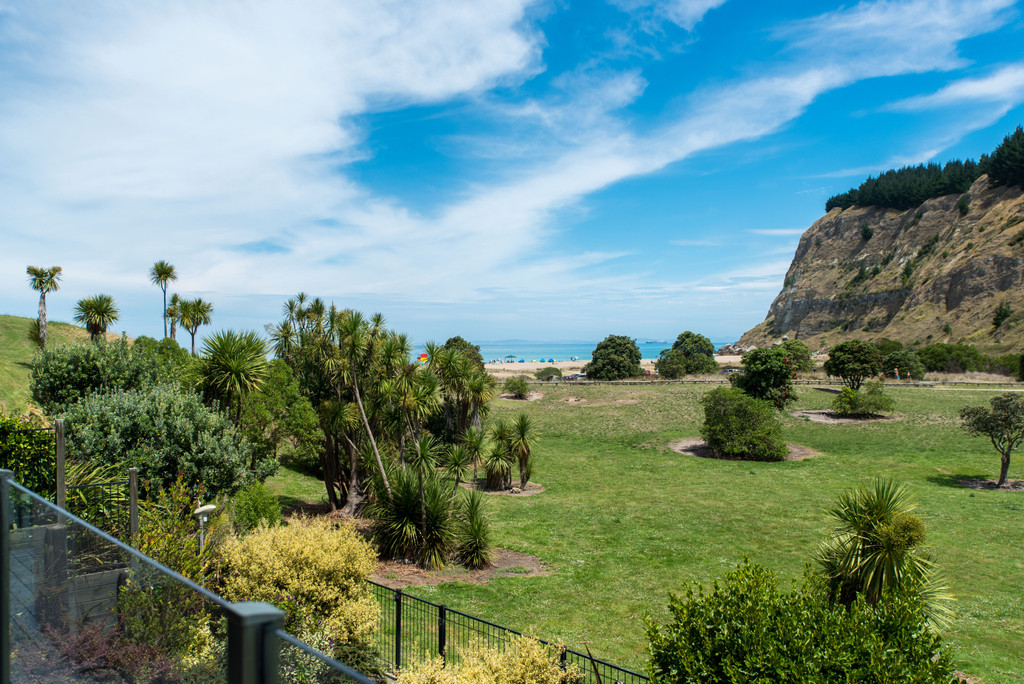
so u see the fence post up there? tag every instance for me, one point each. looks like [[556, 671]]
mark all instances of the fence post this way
[[6, 477], [133, 506], [254, 651], [58, 432], [398, 629], [442, 629]]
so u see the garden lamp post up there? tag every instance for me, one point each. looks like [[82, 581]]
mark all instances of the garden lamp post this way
[[203, 513]]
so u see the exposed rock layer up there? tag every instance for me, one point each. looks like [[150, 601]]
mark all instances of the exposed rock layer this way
[[931, 274]]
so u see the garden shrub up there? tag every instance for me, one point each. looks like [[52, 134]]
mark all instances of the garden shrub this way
[[908, 363], [517, 387], [396, 519], [548, 373], [744, 629], [738, 426], [472, 533], [315, 571], [163, 433], [767, 374], [65, 374], [871, 400], [30, 455], [254, 506], [799, 355], [522, 661]]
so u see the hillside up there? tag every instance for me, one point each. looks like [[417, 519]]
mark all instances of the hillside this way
[[934, 273], [16, 351]]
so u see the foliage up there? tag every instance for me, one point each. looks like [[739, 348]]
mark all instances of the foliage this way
[[547, 373], [472, 533], [1007, 163], [160, 275], [29, 454], [522, 661], [744, 629], [97, 313], [516, 386], [520, 444], [887, 346], [768, 374], [255, 506], [43, 281], [876, 549], [1003, 311], [469, 350], [192, 313], [616, 357], [690, 354], [314, 570], [854, 361], [870, 400], [907, 362], [163, 433], [1003, 424], [279, 414], [231, 366], [799, 355], [910, 186], [963, 205], [738, 426], [397, 527], [173, 363], [942, 357], [62, 375], [866, 232]]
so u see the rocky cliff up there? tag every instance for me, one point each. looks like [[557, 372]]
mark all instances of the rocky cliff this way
[[936, 273]]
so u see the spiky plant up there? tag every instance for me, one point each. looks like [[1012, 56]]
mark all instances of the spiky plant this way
[[456, 465], [396, 520], [473, 542], [498, 463], [520, 444], [96, 313]]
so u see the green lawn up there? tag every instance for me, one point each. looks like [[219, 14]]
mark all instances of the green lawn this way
[[624, 520], [16, 352]]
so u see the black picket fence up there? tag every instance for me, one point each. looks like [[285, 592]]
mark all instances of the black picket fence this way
[[413, 630]]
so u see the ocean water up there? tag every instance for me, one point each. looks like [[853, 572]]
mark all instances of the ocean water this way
[[531, 350]]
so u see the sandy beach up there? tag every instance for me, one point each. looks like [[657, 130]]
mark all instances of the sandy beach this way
[[505, 370]]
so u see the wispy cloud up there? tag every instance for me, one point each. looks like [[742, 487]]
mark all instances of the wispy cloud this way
[[1004, 86], [683, 13]]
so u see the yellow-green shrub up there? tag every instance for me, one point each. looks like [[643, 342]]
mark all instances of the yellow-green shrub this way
[[523, 661], [314, 570]]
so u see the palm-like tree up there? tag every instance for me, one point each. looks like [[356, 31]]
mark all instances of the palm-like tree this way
[[520, 444], [173, 314], [43, 280], [877, 546], [457, 465], [192, 314], [499, 459], [232, 365], [96, 313], [475, 442], [480, 390], [161, 274]]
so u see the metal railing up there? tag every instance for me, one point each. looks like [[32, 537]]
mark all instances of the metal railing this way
[[412, 630], [72, 615]]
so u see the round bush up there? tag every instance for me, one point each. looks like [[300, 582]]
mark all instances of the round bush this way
[[548, 373], [255, 506], [738, 426], [517, 387], [908, 363], [615, 358]]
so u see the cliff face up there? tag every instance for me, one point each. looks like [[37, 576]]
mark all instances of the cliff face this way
[[931, 274]]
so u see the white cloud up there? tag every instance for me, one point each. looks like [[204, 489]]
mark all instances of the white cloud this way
[[1005, 86], [684, 13]]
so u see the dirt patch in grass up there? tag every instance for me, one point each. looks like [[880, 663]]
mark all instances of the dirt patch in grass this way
[[1010, 486], [480, 484], [532, 396], [505, 563], [826, 416], [574, 400], [695, 446]]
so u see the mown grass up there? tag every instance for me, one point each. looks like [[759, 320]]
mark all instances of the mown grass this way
[[16, 352], [624, 520]]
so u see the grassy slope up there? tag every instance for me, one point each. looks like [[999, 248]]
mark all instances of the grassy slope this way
[[16, 353], [625, 520]]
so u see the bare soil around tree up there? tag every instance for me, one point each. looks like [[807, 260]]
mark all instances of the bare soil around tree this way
[[695, 446], [991, 485], [830, 417], [480, 485], [505, 563]]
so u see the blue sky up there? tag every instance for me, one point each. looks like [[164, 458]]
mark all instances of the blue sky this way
[[500, 169]]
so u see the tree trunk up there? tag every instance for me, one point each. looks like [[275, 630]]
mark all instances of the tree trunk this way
[[355, 496], [1005, 468], [423, 516], [164, 288], [174, 329], [328, 459], [42, 320], [373, 442]]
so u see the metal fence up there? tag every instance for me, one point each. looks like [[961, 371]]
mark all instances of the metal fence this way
[[412, 630], [68, 588]]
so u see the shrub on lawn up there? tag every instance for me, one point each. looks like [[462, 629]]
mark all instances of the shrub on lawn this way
[[548, 373], [869, 401], [517, 387], [314, 570], [254, 506], [738, 426], [767, 374], [522, 661], [745, 629]]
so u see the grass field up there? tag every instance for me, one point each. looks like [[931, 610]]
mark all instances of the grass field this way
[[624, 520], [16, 351]]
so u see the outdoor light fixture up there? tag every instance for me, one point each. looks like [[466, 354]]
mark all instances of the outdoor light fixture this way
[[203, 513]]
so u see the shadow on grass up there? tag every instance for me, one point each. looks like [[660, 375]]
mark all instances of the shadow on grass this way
[[828, 390], [955, 481]]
